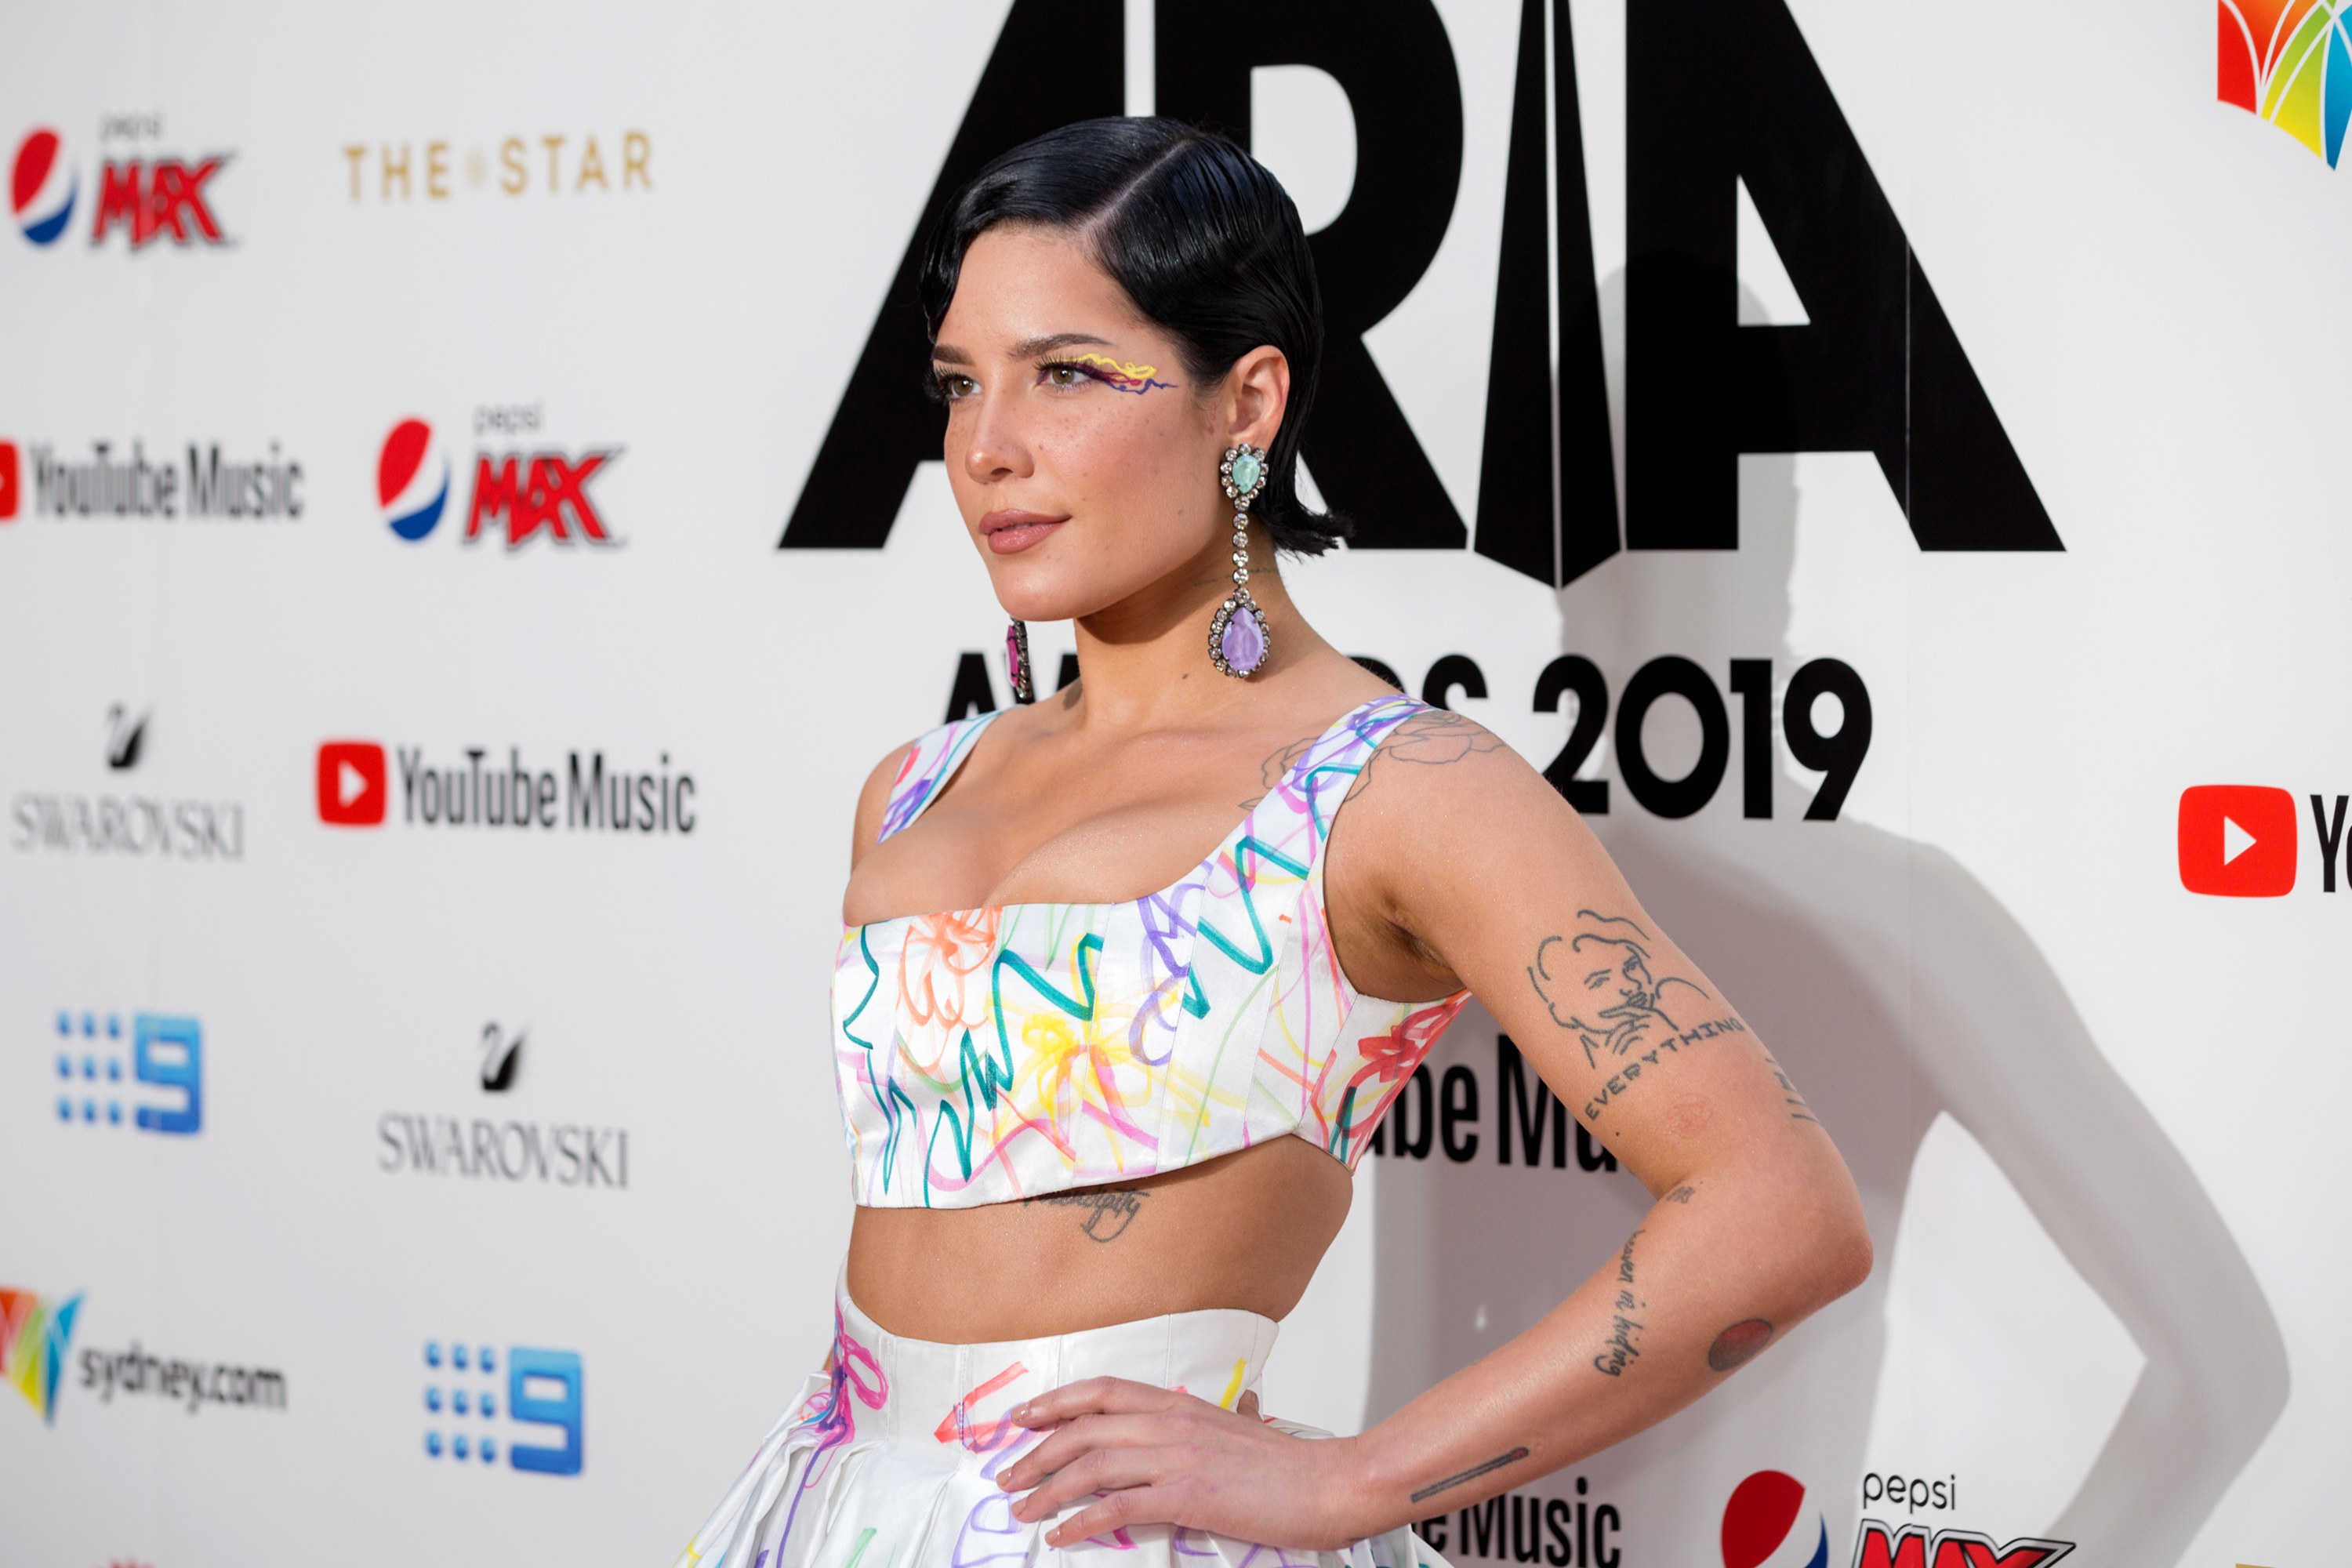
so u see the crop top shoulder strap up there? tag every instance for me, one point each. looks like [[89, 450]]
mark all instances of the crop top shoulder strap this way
[[925, 770]]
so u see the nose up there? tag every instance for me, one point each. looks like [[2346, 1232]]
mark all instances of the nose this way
[[997, 448]]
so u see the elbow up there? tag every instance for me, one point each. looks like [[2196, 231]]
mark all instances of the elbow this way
[[1847, 1257], [1842, 1250]]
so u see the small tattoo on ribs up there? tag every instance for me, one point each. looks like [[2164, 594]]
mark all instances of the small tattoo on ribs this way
[[1472, 1474], [1108, 1214]]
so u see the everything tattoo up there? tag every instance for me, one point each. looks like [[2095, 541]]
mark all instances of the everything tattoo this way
[[1622, 1347], [1108, 1214], [1472, 1474], [1738, 1343]]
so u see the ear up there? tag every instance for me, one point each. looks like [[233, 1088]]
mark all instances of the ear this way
[[1256, 395]]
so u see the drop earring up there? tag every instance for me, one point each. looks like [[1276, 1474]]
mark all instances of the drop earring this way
[[1239, 640], [1016, 663]]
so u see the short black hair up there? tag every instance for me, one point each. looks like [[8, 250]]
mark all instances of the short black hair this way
[[1204, 240]]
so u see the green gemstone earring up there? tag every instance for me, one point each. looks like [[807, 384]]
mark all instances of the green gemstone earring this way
[[1239, 640]]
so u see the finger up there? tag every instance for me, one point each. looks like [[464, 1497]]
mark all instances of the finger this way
[[1139, 1505], [1086, 1435], [1247, 1405], [1094, 1396], [1104, 1470]]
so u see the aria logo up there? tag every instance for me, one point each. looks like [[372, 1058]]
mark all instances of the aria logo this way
[[34, 1334], [542, 1390], [539, 493], [1877, 367]]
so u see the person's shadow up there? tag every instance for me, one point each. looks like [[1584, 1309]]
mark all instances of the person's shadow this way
[[1893, 986]]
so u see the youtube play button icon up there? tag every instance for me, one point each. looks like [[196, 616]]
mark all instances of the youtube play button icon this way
[[2237, 841], [351, 788]]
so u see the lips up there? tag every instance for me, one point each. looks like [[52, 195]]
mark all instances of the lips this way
[[1009, 533]]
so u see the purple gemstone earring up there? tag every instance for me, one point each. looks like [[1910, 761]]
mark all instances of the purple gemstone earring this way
[[1239, 640], [1016, 662]]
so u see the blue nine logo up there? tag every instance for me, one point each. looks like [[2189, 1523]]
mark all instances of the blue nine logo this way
[[168, 1053], [464, 1392]]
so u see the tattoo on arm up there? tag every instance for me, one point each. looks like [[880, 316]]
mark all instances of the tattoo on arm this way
[[1108, 1214], [1738, 1343], [1624, 1347], [1681, 1195], [1599, 984], [1798, 1109], [1472, 1474]]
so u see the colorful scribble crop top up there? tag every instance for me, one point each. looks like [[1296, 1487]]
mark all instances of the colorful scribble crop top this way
[[992, 1053]]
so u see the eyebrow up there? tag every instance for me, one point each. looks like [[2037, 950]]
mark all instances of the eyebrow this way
[[1028, 348]]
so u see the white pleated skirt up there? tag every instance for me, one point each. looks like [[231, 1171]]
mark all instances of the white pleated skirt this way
[[889, 1458]]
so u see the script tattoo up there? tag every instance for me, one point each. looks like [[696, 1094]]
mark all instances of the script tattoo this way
[[1108, 1214], [1738, 1343], [1623, 1346], [1798, 1109], [1472, 1474], [1682, 1195]]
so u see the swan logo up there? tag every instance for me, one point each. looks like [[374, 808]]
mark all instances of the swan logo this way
[[412, 481], [1769, 1522], [42, 187]]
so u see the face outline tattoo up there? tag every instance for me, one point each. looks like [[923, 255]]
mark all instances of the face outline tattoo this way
[[1599, 984]]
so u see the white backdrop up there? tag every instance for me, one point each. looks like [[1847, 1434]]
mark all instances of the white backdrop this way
[[2092, 1110]]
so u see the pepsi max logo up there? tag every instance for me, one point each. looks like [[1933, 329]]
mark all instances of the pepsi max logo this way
[[42, 187], [411, 480], [1771, 1522], [541, 493]]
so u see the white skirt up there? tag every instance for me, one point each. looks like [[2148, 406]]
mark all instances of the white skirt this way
[[890, 1457]]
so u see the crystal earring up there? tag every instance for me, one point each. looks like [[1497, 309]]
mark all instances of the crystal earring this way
[[1239, 640], [1016, 662]]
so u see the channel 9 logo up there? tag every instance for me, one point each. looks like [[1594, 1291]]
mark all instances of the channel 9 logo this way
[[473, 1397]]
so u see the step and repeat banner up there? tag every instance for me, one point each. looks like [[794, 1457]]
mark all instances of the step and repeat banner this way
[[468, 522]]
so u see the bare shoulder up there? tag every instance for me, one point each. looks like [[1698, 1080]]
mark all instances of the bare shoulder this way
[[1446, 799], [1443, 760], [874, 800]]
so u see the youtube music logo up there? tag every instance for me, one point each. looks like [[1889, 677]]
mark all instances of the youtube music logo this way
[[352, 791], [2238, 841]]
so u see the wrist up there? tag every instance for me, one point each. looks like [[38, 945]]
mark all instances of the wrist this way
[[1363, 1504]]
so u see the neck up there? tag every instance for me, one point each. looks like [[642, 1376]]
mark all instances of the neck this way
[[1144, 661]]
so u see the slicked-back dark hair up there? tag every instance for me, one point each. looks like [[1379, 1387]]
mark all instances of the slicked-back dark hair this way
[[1204, 240]]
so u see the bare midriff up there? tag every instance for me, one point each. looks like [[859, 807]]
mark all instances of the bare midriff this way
[[1244, 1231]]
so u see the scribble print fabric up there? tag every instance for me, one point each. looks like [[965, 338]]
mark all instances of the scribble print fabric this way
[[993, 1054], [891, 1458]]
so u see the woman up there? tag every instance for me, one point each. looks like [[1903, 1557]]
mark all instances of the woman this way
[[1102, 1111]]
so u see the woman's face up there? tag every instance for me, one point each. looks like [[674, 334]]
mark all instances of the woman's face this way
[[1083, 459]]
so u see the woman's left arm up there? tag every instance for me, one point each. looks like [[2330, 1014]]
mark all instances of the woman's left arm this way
[[1457, 864]]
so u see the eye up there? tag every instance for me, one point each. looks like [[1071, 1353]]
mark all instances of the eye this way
[[1065, 374], [953, 385]]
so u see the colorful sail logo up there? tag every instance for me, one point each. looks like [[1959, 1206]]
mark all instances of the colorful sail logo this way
[[33, 1338], [2290, 62]]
